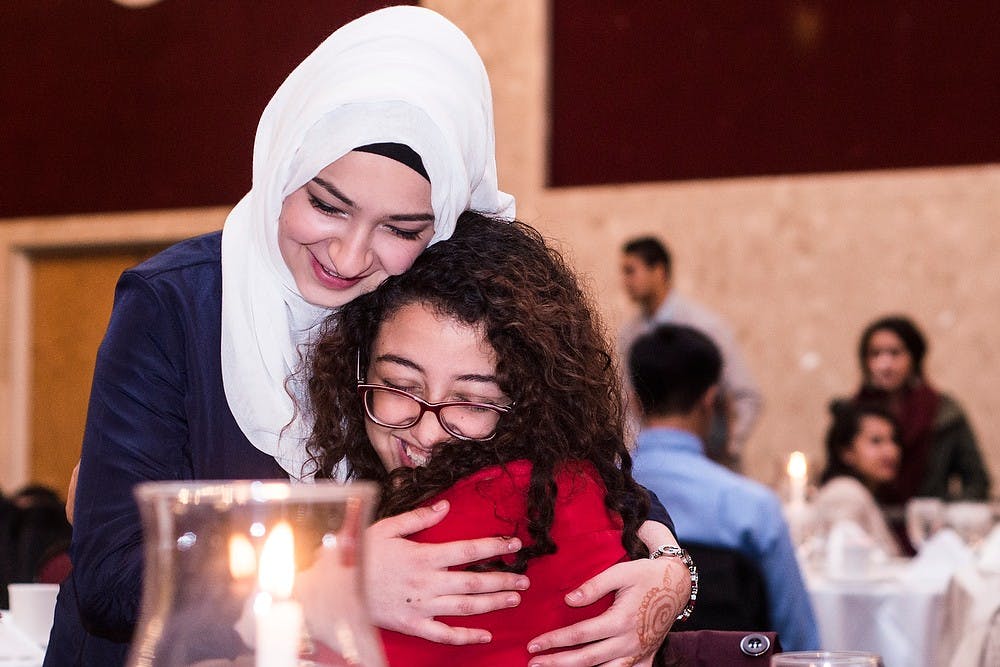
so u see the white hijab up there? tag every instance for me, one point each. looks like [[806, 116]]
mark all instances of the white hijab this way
[[401, 74]]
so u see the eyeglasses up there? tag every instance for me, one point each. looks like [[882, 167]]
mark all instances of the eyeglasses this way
[[395, 408]]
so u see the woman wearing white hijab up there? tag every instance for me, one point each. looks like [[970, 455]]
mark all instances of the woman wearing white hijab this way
[[367, 153]]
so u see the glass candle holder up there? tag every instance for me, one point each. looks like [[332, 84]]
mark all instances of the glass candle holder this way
[[254, 574]]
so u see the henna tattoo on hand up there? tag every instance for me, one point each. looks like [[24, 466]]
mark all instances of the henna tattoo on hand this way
[[659, 609]]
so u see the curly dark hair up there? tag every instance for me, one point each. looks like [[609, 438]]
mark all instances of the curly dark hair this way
[[553, 361]]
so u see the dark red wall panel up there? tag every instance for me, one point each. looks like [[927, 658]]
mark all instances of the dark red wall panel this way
[[649, 91], [107, 108]]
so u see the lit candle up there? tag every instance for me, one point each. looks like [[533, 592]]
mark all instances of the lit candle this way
[[242, 557], [797, 478], [279, 618]]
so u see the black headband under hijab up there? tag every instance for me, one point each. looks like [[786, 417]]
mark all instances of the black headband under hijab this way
[[400, 153]]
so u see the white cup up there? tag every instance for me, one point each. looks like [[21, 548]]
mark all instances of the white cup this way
[[32, 607]]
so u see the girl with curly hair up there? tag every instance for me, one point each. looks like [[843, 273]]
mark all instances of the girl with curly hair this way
[[482, 377]]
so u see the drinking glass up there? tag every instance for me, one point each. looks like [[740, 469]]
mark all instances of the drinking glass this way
[[924, 517], [826, 659], [971, 520]]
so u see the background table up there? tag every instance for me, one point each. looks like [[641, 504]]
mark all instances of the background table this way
[[903, 621], [908, 621]]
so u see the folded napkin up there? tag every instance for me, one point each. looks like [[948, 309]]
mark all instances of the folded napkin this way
[[989, 551], [939, 558], [850, 551]]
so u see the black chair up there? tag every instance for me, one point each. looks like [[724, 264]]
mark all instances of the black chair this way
[[731, 591], [34, 538]]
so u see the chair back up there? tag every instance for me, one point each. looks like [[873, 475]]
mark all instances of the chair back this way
[[732, 594]]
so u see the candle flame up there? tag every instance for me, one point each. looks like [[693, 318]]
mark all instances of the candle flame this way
[[242, 557], [277, 562], [797, 465]]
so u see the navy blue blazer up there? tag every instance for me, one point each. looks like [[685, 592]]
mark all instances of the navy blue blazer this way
[[157, 412]]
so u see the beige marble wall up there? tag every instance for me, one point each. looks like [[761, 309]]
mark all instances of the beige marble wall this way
[[798, 264]]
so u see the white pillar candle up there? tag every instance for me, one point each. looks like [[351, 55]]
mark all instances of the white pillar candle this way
[[279, 618], [279, 627], [797, 472]]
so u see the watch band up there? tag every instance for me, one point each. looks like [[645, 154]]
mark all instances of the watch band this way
[[685, 558]]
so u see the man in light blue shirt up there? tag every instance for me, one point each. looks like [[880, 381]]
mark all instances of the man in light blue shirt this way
[[675, 374]]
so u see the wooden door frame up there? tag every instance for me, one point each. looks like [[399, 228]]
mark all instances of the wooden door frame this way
[[20, 241]]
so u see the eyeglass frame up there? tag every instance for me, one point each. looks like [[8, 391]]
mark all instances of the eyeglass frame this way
[[425, 406]]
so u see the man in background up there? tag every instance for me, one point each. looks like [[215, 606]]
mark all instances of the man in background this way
[[675, 372], [648, 280]]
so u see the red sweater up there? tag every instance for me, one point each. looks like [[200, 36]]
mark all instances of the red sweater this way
[[492, 503]]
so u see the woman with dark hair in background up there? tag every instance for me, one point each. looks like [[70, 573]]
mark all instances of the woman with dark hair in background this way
[[940, 456], [862, 456]]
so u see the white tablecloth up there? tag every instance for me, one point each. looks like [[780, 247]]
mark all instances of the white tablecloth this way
[[972, 600], [902, 622], [909, 621], [16, 650]]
